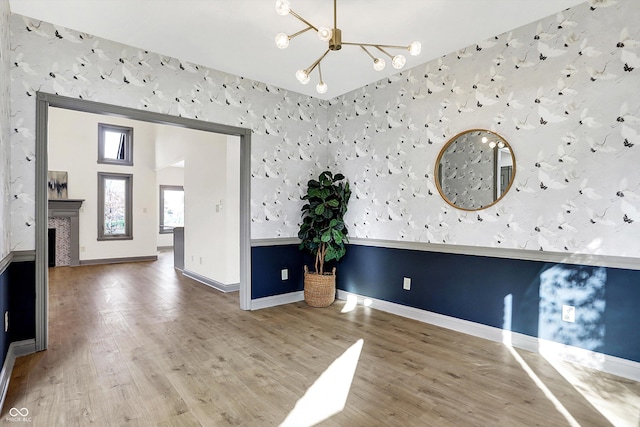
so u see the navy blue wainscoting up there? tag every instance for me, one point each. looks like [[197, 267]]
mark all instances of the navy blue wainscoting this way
[[4, 306], [266, 265], [22, 300], [517, 295]]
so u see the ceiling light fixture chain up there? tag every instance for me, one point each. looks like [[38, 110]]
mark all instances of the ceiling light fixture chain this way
[[334, 37]]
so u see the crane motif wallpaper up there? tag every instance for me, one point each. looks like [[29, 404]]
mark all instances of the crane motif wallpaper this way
[[562, 91]]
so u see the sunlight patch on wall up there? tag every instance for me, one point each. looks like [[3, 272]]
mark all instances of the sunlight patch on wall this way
[[582, 287]]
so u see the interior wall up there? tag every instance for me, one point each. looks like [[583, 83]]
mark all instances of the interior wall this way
[[564, 97], [169, 147], [5, 134], [288, 128], [231, 208], [167, 176], [73, 147], [205, 176]]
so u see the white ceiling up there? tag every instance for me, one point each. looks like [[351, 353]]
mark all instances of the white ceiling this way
[[237, 36]]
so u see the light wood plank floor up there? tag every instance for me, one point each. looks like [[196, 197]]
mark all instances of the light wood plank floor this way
[[138, 344]]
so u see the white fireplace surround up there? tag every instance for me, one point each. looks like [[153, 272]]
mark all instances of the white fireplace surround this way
[[69, 208]]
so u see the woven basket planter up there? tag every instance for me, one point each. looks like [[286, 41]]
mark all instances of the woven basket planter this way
[[319, 289]]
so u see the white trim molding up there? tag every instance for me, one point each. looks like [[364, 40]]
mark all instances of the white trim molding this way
[[520, 254], [16, 349], [550, 350], [275, 300], [211, 283], [118, 260], [279, 241]]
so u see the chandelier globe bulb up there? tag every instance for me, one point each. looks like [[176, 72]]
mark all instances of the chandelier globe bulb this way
[[322, 87], [325, 34], [379, 64], [282, 40], [415, 48], [302, 76], [283, 7], [398, 61]]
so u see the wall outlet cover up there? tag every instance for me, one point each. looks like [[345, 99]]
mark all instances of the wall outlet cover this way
[[284, 273], [568, 313], [406, 284]]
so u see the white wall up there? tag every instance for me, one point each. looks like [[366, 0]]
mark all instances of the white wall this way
[[73, 147], [167, 176], [170, 145], [205, 187], [232, 210]]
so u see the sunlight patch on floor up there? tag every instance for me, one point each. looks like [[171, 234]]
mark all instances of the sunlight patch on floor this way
[[328, 395], [352, 302], [506, 340], [549, 395], [616, 402]]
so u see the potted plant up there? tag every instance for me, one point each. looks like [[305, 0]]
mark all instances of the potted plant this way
[[324, 234]]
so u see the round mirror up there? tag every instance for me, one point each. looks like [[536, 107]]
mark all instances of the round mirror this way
[[475, 169]]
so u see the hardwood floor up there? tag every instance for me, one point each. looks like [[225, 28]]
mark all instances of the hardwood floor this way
[[138, 344]]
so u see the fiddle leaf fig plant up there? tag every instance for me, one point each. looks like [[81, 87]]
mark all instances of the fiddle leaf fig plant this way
[[323, 231]]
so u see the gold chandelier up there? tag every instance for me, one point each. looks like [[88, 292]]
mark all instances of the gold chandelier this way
[[334, 37]]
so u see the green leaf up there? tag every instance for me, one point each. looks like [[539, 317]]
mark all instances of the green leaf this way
[[319, 210], [326, 237]]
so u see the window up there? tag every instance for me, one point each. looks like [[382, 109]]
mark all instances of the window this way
[[115, 206], [171, 208], [115, 144]]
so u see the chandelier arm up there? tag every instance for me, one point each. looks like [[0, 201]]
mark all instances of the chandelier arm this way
[[389, 46], [300, 32], [384, 51], [291, 12], [312, 66], [367, 52]]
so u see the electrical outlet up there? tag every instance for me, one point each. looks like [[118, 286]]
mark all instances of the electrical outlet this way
[[406, 284], [568, 313], [284, 273], [6, 321], [200, 260]]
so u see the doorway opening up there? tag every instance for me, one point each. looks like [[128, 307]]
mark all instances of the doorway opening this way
[[43, 102]]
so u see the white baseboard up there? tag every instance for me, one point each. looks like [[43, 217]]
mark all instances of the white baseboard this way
[[16, 349], [234, 287], [549, 349], [266, 302]]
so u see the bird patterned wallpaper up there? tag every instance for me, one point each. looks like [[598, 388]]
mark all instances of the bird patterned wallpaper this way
[[5, 144], [288, 128], [564, 92]]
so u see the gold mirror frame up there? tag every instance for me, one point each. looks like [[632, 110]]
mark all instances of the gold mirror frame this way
[[482, 151]]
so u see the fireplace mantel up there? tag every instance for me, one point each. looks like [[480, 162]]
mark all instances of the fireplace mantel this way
[[64, 205], [69, 208]]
